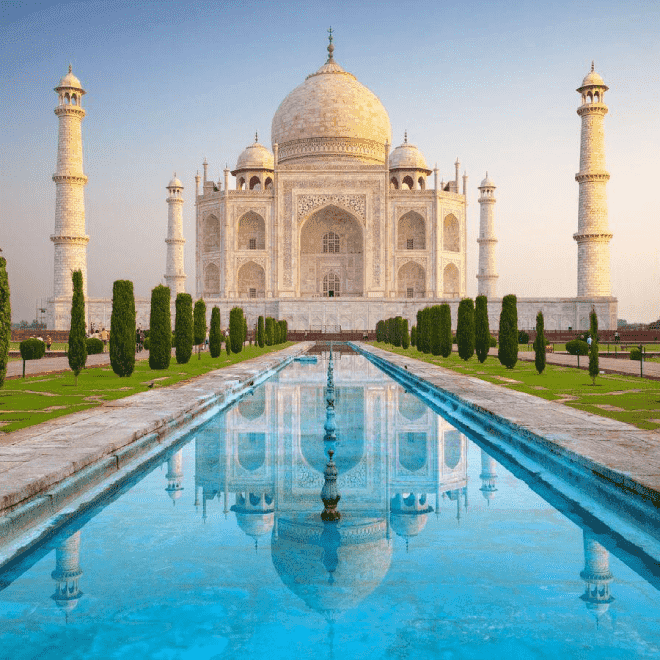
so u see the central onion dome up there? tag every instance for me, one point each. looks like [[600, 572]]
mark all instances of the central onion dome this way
[[331, 116]]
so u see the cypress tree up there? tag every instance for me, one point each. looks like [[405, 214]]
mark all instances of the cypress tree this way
[[593, 350], [215, 335], [405, 336], [261, 332], [228, 345], [77, 337], [539, 344], [413, 336], [183, 328], [398, 331], [434, 329], [465, 329], [268, 331], [423, 335], [199, 326], [481, 329], [507, 351], [419, 342], [446, 339], [122, 328], [285, 331], [5, 319], [236, 329], [245, 329], [160, 328]]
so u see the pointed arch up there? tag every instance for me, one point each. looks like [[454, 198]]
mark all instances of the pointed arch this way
[[411, 281], [451, 235], [211, 233], [451, 281], [394, 184], [255, 183], [411, 233], [251, 280], [452, 449], [251, 232], [408, 183], [212, 280]]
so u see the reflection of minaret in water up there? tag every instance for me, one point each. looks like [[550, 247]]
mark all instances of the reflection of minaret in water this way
[[596, 576], [455, 496], [174, 475], [67, 573], [409, 514], [488, 477]]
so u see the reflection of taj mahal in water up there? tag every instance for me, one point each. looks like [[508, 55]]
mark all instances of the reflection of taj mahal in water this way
[[398, 462]]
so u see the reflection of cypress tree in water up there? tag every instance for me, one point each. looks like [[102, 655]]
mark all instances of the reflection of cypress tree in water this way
[[66, 574], [596, 575]]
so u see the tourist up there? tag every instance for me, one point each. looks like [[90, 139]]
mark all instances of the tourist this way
[[105, 335], [49, 342], [589, 340]]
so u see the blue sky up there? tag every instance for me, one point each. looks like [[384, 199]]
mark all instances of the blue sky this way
[[170, 83]]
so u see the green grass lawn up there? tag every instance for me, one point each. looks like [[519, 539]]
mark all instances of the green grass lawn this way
[[30, 401], [625, 398]]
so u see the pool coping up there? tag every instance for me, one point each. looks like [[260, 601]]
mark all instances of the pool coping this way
[[619, 457], [48, 465]]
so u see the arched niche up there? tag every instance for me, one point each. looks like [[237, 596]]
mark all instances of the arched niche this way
[[211, 233], [407, 183], [394, 184], [211, 280], [411, 407], [411, 281], [251, 232], [452, 448], [251, 280], [251, 450], [343, 232], [412, 450], [254, 406], [411, 232], [451, 281], [451, 235], [255, 183]]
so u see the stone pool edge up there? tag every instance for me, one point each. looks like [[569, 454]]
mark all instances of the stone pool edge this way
[[620, 456], [102, 441]]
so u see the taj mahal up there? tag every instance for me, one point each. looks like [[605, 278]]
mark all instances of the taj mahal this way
[[332, 228]]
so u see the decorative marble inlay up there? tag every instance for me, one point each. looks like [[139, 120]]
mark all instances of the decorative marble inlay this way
[[307, 203]]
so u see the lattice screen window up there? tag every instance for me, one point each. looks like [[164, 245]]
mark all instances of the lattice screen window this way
[[331, 242], [253, 292], [253, 244], [410, 292], [409, 243]]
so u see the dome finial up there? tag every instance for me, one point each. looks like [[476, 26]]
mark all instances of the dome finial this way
[[71, 67], [331, 48], [592, 65], [405, 137], [256, 136]]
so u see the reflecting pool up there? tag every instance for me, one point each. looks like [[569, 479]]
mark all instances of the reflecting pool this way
[[221, 551]]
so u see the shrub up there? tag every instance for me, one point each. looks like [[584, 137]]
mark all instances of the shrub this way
[[481, 329], [269, 331], [405, 336], [285, 331], [199, 325], [146, 343], [493, 342], [215, 335], [77, 346], [577, 347], [445, 330], [539, 344], [380, 331], [236, 329], [33, 349], [261, 332], [160, 327], [398, 331], [523, 337], [122, 329], [435, 330], [183, 328], [419, 339], [95, 346], [5, 319], [228, 345], [508, 332], [413, 336], [636, 354], [245, 330]]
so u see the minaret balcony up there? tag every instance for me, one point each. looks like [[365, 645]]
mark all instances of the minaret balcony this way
[[70, 178], [593, 109], [592, 176]]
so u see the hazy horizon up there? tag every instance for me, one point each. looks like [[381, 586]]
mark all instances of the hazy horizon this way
[[169, 84]]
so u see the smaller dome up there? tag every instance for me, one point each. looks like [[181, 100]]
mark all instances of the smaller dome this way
[[487, 182], [408, 157], [175, 183], [592, 78], [255, 157], [70, 81]]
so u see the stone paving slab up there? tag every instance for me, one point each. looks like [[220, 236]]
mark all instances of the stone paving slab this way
[[617, 451], [35, 459]]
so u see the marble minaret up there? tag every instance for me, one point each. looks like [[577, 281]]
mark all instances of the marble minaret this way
[[593, 236], [487, 273], [175, 278], [69, 238]]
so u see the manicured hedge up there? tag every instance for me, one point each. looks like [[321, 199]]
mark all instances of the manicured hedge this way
[[95, 345]]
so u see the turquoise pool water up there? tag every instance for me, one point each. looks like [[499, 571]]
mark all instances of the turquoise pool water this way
[[220, 551]]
